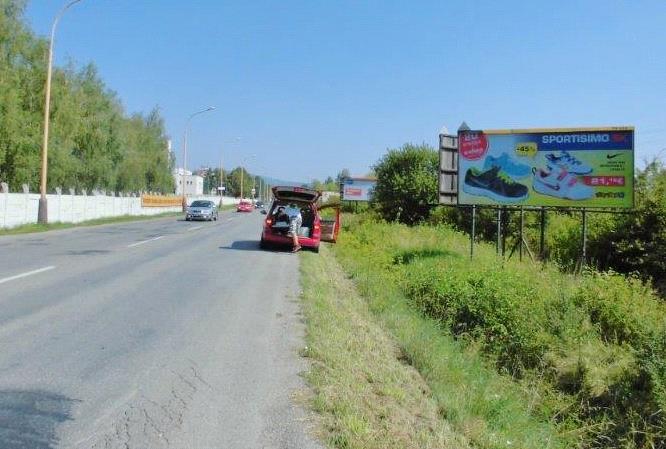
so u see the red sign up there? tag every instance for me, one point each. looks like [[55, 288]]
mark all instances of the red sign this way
[[473, 145], [604, 181], [351, 191]]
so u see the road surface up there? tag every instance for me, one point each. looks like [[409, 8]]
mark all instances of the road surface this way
[[150, 334]]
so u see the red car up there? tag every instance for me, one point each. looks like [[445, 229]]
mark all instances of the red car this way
[[275, 229], [244, 206]]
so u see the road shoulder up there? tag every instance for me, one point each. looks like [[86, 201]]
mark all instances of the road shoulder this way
[[366, 395]]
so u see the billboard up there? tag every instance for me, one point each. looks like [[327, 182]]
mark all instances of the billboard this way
[[357, 189], [160, 201], [563, 167]]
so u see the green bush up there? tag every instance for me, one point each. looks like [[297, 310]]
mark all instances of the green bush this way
[[406, 185], [488, 304]]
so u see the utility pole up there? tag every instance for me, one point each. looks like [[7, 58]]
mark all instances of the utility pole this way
[[221, 178], [42, 211]]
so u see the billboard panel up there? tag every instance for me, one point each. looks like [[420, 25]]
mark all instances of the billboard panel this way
[[160, 201], [570, 167], [357, 189]]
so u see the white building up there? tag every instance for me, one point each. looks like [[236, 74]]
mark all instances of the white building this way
[[193, 183]]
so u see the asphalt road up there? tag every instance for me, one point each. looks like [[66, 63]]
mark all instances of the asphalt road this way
[[150, 334]]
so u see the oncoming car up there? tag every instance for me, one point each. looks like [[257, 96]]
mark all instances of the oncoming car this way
[[275, 230], [201, 210]]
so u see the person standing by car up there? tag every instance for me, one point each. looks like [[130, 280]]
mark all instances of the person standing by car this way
[[281, 215], [295, 222]]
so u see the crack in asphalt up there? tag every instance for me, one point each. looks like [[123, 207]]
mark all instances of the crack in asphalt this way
[[148, 422]]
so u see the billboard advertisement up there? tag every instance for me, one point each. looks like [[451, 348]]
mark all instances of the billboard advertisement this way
[[563, 167], [160, 201], [357, 189]]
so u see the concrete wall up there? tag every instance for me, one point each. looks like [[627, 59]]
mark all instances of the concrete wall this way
[[225, 200], [21, 208]]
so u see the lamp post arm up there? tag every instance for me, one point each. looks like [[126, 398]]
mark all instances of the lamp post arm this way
[[187, 130]]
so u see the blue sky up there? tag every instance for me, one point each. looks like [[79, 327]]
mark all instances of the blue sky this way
[[312, 87]]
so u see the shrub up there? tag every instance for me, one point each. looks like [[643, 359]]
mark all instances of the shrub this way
[[406, 183]]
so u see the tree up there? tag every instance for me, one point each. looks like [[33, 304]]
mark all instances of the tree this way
[[344, 173], [213, 180], [93, 144], [406, 183], [233, 182]]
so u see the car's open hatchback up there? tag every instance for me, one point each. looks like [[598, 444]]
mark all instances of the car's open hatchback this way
[[310, 233]]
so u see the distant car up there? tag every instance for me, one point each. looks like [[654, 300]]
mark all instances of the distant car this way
[[259, 204], [201, 210], [313, 229], [244, 206]]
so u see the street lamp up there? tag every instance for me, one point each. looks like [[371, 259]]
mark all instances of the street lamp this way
[[187, 128], [42, 212]]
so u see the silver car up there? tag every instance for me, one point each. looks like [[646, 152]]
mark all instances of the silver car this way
[[201, 210]]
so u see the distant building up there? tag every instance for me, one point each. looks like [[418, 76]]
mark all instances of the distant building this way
[[327, 197], [193, 183]]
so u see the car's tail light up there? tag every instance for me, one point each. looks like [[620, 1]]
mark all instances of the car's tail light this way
[[269, 222], [316, 227]]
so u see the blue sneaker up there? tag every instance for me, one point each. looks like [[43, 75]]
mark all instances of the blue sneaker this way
[[507, 165], [568, 162]]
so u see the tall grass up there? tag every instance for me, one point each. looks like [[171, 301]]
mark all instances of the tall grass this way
[[587, 352], [487, 408]]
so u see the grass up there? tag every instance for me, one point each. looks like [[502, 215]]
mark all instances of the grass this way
[[367, 394], [227, 207], [38, 227], [514, 351], [488, 408]]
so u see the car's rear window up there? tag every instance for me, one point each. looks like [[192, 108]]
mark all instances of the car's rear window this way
[[201, 204]]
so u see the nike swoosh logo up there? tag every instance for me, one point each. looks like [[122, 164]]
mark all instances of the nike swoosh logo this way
[[611, 156]]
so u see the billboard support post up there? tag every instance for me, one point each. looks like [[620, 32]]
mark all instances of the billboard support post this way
[[542, 240], [473, 235], [521, 242], [522, 229], [499, 229], [584, 241], [505, 217]]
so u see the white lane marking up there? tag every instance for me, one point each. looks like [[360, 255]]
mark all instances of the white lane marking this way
[[229, 219], [145, 241], [27, 273], [195, 228]]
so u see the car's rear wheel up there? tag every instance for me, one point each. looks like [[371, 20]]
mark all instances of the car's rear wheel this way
[[316, 249]]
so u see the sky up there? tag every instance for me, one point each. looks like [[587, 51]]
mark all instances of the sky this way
[[303, 88]]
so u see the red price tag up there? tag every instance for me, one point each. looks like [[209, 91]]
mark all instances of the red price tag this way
[[604, 181], [473, 145]]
